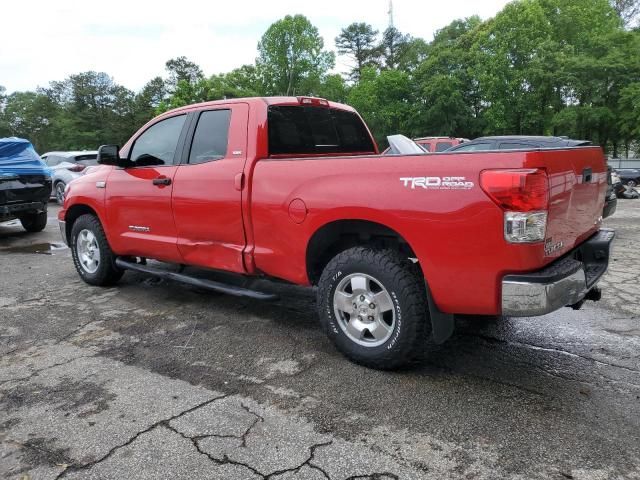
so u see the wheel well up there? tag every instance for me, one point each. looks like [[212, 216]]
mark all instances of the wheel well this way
[[72, 215], [341, 235]]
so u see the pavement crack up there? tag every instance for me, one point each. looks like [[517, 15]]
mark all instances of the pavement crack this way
[[307, 462], [531, 346], [195, 441], [164, 422], [36, 372], [257, 420], [74, 331], [375, 476]]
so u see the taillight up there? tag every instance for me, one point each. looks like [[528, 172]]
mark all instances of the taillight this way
[[517, 190], [78, 167], [524, 195]]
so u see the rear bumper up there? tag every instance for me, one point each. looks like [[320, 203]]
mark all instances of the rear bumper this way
[[562, 283], [15, 210]]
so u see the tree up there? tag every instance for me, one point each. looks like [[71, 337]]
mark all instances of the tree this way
[[387, 102], [291, 59], [94, 110], [358, 41], [392, 47], [29, 115], [148, 100], [629, 10], [182, 69]]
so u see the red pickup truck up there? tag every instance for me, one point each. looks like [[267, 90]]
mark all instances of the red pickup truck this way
[[294, 188]]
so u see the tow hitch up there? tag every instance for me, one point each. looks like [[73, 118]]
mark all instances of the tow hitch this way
[[595, 294]]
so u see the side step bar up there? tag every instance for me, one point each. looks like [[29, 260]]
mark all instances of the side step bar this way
[[197, 282]]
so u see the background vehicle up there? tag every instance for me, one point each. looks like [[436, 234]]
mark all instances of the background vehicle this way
[[66, 166], [517, 142], [525, 142], [629, 176], [25, 184], [295, 189], [438, 144]]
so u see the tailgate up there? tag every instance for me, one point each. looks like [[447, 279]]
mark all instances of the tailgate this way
[[577, 190]]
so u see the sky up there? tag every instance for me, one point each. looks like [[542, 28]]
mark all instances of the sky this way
[[131, 40]]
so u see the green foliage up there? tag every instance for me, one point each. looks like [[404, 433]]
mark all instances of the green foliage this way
[[181, 69], [359, 42], [291, 57]]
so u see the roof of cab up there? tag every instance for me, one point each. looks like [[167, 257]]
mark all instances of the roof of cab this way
[[269, 101]]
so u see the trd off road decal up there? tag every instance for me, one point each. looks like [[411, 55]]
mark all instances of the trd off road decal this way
[[437, 183]]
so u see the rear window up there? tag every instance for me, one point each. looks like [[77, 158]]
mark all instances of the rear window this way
[[88, 156], [442, 146], [316, 130]]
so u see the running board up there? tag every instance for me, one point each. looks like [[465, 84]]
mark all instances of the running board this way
[[197, 282]]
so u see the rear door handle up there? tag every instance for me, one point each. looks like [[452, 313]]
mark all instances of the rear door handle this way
[[162, 181]]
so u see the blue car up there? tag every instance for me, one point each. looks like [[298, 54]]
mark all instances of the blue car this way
[[25, 184]]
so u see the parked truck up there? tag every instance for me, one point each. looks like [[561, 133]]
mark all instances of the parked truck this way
[[294, 188]]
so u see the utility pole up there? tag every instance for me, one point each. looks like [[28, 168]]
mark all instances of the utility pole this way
[[390, 12]]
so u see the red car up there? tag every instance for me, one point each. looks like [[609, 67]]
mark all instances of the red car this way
[[438, 144], [295, 189]]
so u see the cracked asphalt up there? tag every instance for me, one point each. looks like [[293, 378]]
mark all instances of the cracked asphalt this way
[[152, 379]]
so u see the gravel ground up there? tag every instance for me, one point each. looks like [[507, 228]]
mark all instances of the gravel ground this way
[[153, 379]]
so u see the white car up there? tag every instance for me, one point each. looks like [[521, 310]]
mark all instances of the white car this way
[[66, 166]]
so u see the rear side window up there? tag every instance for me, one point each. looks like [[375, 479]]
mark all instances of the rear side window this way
[[88, 159], [53, 160], [316, 130], [475, 147], [517, 146], [442, 146], [210, 138], [157, 145]]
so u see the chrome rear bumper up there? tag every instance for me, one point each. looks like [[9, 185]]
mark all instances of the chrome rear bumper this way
[[563, 283]]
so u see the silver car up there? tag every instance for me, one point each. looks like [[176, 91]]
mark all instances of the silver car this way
[[66, 166]]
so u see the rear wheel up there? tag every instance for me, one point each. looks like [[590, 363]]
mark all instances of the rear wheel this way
[[34, 222], [59, 191], [92, 255], [373, 306]]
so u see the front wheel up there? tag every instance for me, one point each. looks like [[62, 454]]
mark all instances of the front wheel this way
[[373, 306], [92, 255], [34, 222]]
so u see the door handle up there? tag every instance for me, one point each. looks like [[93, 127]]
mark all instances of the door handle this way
[[161, 181]]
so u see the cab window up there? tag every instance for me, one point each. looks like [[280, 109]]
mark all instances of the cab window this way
[[316, 130], [211, 136], [157, 145], [442, 146]]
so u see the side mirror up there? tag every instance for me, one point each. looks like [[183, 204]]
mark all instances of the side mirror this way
[[108, 155]]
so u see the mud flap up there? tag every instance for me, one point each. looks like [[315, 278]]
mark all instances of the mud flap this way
[[442, 324]]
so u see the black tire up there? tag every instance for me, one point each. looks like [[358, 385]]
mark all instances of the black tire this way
[[106, 272], [403, 281], [34, 222], [58, 188]]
